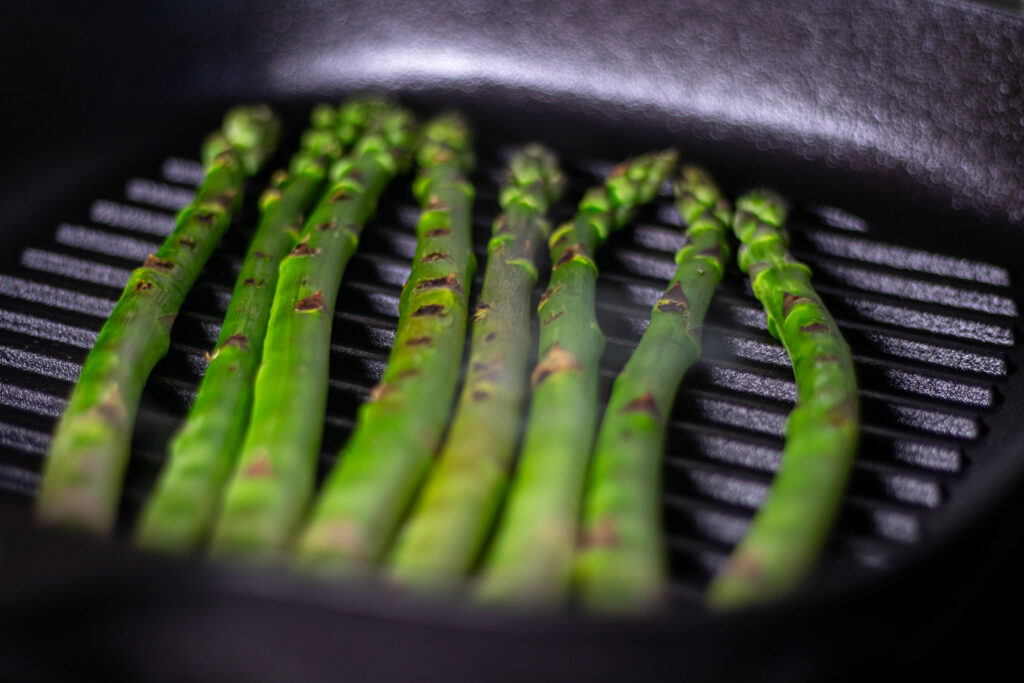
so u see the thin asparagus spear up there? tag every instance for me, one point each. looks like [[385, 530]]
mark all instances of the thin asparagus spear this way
[[401, 426], [84, 471], [273, 480], [531, 559], [457, 507], [187, 495], [621, 566], [784, 540]]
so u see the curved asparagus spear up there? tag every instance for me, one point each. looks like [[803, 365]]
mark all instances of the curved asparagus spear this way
[[84, 471], [401, 426], [532, 556], [621, 566], [786, 536], [272, 482], [187, 495], [454, 512]]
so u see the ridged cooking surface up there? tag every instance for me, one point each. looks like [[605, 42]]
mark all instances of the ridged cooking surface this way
[[929, 333]]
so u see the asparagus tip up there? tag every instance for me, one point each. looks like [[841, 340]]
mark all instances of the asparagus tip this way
[[765, 204], [253, 130]]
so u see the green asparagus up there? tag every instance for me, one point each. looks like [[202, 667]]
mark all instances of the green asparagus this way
[[399, 429], [621, 566], [187, 495], [457, 507], [786, 536], [531, 559], [273, 479], [84, 471]]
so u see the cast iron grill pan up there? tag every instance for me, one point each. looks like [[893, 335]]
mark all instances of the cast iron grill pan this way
[[906, 114], [930, 334]]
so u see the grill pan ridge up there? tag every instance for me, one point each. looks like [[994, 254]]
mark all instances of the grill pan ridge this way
[[931, 313]]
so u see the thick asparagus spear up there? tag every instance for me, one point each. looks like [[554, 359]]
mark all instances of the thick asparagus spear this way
[[787, 534], [531, 558], [84, 471], [274, 477], [457, 506], [621, 566], [187, 495], [399, 429]]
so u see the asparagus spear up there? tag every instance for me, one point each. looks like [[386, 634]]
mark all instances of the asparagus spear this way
[[621, 566], [274, 477], [83, 474], [187, 495], [399, 429], [532, 556], [786, 536], [460, 500]]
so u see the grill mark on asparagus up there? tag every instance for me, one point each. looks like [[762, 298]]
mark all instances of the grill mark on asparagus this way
[[436, 256], [555, 361], [790, 301], [156, 263], [644, 403], [674, 301], [238, 340], [429, 309], [313, 302], [303, 249], [419, 341], [449, 281]]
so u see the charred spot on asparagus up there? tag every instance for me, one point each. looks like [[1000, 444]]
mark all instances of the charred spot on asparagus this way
[[238, 340], [313, 302]]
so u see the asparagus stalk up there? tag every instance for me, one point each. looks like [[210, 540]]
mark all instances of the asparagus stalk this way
[[621, 565], [273, 480], [786, 536], [187, 495], [457, 507], [84, 471], [531, 558], [399, 429]]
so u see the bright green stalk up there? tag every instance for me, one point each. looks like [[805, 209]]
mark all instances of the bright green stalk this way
[[532, 556], [187, 495], [622, 566], [273, 480], [400, 428], [82, 481], [457, 507], [786, 536]]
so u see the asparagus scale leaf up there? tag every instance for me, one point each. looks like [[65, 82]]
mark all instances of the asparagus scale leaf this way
[[84, 471], [399, 429], [787, 534], [187, 495], [272, 482], [449, 524], [621, 566], [531, 559]]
